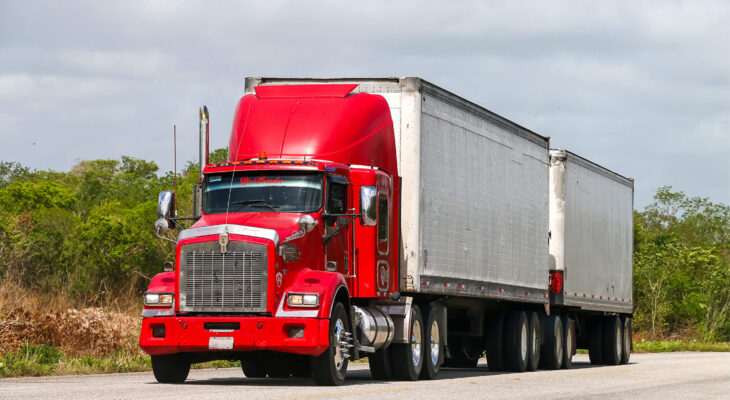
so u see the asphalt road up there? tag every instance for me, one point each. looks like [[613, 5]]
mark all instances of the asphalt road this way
[[649, 376]]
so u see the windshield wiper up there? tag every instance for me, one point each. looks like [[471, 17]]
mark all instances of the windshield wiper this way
[[254, 203]]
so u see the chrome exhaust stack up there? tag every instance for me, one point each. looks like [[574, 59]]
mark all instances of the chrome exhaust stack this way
[[204, 140]]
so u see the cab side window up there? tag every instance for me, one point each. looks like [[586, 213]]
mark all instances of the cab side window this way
[[336, 201]]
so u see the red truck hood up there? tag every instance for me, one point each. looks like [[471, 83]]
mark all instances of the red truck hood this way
[[283, 223]]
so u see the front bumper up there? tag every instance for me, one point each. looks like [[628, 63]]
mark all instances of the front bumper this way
[[188, 334]]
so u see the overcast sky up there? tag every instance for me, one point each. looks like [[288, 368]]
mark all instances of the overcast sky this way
[[642, 88]]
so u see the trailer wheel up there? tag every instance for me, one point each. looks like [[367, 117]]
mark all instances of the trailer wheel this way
[[612, 343], [551, 356], [253, 368], [408, 357], [595, 341], [493, 342], [433, 346], [380, 365], [569, 339], [171, 368], [533, 348], [330, 367], [516, 341], [626, 340]]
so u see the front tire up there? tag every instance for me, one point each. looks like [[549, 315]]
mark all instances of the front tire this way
[[330, 367], [253, 368], [516, 341], [171, 368], [407, 358]]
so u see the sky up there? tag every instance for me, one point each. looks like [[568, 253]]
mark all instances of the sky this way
[[640, 87]]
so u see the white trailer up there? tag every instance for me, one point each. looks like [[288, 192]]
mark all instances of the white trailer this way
[[480, 201]]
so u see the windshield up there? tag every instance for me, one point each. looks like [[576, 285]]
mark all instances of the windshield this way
[[262, 192]]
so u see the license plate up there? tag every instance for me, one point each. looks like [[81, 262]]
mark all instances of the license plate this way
[[220, 343]]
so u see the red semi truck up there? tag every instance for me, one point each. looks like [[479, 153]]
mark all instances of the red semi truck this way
[[393, 220]]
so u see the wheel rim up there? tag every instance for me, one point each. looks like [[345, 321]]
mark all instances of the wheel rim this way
[[559, 341], [535, 341], [416, 342], [435, 348], [627, 338], [339, 340], [569, 343], [523, 344], [619, 345]]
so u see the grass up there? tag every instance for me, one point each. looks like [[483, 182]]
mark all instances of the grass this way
[[663, 346]]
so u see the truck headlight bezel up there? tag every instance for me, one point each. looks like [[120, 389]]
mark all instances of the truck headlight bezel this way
[[159, 299], [307, 300]]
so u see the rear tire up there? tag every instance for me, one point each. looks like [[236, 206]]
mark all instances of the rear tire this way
[[171, 368], [595, 344], [551, 356], [433, 346], [516, 341], [408, 357], [533, 348], [330, 367], [569, 340], [626, 340], [380, 367], [493, 343], [612, 343], [253, 368]]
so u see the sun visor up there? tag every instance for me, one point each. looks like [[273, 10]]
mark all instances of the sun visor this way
[[290, 91]]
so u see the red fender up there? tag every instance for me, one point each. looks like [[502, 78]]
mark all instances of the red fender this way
[[326, 284], [163, 282]]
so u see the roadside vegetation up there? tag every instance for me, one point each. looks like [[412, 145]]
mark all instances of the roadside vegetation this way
[[77, 250]]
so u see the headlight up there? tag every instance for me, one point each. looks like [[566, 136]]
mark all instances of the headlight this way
[[158, 299], [302, 299]]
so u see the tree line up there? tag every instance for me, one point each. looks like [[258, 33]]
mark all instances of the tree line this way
[[87, 234]]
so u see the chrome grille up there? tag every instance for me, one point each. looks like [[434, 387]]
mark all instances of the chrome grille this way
[[211, 281]]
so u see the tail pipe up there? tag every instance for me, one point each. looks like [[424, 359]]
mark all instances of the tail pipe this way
[[375, 328], [204, 140]]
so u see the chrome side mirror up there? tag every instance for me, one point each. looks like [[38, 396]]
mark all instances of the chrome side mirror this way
[[307, 223], [165, 209], [368, 211]]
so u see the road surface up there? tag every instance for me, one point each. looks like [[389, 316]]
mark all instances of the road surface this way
[[662, 376]]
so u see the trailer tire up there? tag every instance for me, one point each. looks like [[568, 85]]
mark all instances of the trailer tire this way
[[493, 343], [516, 341], [533, 348], [626, 340], [569, 340], [433, 345], [380, 365], [552, 348], [612, 343], [253, 368], [595, 341], [171, 368], [408, 357], [330, 367]]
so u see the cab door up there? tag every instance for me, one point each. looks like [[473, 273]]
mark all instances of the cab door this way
[[338, 201]]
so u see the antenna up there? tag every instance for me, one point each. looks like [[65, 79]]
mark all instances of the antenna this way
[[174, 146]]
